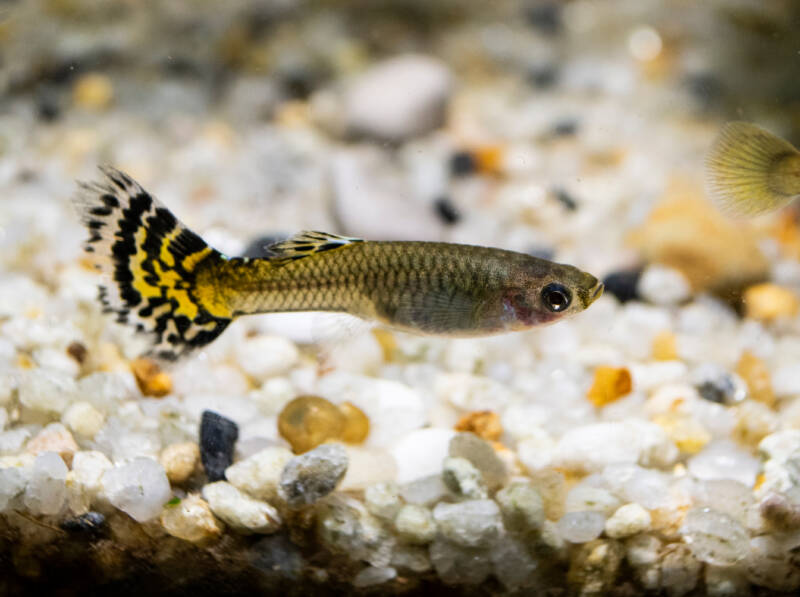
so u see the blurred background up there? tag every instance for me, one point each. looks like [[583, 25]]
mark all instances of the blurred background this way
[[467, 121]]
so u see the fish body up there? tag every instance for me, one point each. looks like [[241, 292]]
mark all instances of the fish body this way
[[750, 171], [166, 281]]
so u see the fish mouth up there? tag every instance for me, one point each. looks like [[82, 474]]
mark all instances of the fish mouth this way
[[594, 293]]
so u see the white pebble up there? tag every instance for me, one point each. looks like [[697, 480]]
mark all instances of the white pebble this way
[[46, 491], [415, 524], [472, 523], [372, 575], [628, 520], [47, 391], [240, 511], [714, 537], [399, 97], [724, 460], [580, 527], [383, 500], [260, 474], [421, 453], [84, 419], [262, 357], [139, 488]]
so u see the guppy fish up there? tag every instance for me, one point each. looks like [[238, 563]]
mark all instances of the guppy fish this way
[[750, 171], [167, 282]]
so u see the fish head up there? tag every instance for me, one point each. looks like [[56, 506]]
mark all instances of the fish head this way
[[545, 293]]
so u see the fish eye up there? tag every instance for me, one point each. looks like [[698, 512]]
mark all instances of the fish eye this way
[[556, 297]]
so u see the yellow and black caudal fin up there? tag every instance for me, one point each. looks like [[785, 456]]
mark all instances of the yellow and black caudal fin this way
[[750, 171], [150, 261]]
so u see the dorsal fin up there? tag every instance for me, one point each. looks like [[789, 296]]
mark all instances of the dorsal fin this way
[[306, 243]]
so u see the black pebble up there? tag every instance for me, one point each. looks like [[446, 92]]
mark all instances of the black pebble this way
[[566, 199], [218, 437], [447, 211], [91, 524], [259, 248], [706, 88], [48, 104], [463, 163], [545, 17], [622, 284], [565, 128], [543, 77]]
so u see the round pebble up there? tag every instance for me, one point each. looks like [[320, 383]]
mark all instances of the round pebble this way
[[714, 537], [308, 421], [580, 527]]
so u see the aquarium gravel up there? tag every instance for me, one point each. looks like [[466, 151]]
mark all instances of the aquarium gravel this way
[[649, 445]]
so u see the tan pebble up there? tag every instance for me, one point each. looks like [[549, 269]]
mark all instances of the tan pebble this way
[[308, 421], [552, 486], [767, 302], [356, 424], [665, 346], [610, 384], [93, 91], [77, 351], [191, 520], [687, 233], [688, 435], [483, 423], [754, 421], [180, 460], [54, 438], [151, 379], [756, 375]]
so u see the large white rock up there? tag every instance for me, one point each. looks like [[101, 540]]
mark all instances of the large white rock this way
[[593, 447], [421, 453], [398, 98]]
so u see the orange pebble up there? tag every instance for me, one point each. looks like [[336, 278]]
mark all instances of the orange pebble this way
[[610, 384], [665, 346], [308, 421], [356, 424], [767, 302], [152, 381], [756, 375], [483, 423]]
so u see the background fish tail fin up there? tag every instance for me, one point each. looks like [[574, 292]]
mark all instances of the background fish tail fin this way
[[748, 170], [151, 263]]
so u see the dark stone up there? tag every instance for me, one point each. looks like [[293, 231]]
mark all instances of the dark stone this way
[[622, 284], [259, 247], [90, 524], [218, 437], [565, 128], [463, 163], [706, 88], [48, 104], [447, 211], [565, 199], [715, 384], [543, 77], [545, 17]]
